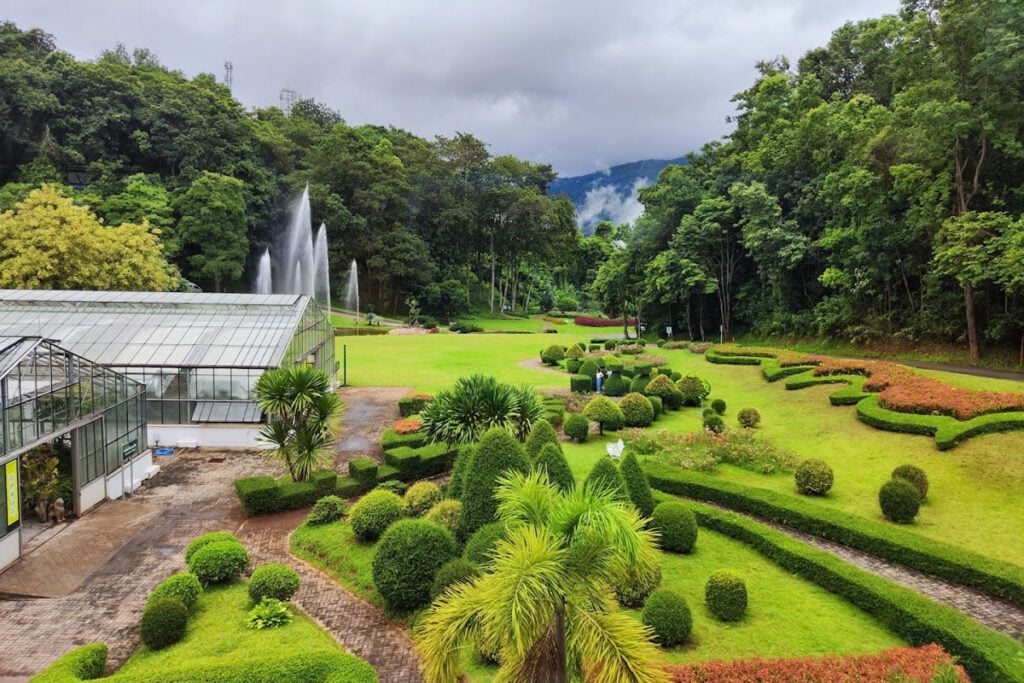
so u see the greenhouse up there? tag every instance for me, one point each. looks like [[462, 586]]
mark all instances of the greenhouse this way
[[198, 355], [72, 434]]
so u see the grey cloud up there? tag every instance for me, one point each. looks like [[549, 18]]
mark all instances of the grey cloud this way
[[582, 85]]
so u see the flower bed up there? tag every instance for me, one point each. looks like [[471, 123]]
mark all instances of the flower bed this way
[[899, 663], [409, 425], [603, 322]]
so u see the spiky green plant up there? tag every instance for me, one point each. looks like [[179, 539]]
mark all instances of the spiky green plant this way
[[545, 602], [303, 415], [463, 412]]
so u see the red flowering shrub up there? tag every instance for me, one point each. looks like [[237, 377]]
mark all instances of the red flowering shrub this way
[[912, 663], [409, 425], [603, 322]]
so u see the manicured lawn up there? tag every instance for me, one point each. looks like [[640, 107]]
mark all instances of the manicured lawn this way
[[492, 323], [334, 548], [975, 487]]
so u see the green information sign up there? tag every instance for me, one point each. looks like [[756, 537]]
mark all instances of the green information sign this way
[[130, 449]]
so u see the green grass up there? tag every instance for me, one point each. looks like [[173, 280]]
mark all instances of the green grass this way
[[217, 633], [334, 548], [504, 323]]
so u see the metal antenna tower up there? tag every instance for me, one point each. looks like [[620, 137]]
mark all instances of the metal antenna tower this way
[[229, 76], [288, 98]]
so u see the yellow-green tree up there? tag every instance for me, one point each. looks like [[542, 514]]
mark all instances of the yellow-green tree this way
[[47, 242]]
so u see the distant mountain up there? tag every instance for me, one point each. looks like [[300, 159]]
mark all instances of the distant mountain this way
[[612, 194]]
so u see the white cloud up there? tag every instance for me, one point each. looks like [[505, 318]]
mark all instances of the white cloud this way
[[604, 202]]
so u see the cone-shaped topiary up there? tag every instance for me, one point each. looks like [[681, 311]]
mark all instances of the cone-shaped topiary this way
[[615, 386], [604, 412], [663, 387], [576, 427], [899, 501], [552, 460], [481, 543], [541, 434], [459, 467], [637, 411], [408, 557], [497, 453], [914, 476], [636, 484], [607, 476]]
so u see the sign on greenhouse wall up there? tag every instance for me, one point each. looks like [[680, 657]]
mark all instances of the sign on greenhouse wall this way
[[13, 504], [129, 449]]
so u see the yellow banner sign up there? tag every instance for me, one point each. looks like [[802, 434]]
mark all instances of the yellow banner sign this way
[[13, 504]]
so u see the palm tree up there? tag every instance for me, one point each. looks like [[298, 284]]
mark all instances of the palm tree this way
[[545, 601], [303, 414], [463, 412]]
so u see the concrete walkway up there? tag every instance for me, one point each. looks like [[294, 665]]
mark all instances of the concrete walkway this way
[[368, 412]]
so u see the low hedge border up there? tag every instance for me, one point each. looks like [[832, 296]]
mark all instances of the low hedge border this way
[[1000, 579], [417, 463], [713, 356], [773, 372], [985, 654], [264, 495], [391, 439]]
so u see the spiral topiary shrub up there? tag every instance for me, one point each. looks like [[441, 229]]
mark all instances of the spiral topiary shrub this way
[[615, 385], [663, 387], [446, 513], [667, 614], [497, 454], [409, 555], [480, 544], [374, 513], [540, 434], [163, 622], [605, 412], [205, 539], [219, 562], [914, 476], [713, 422], [326, 510], [183, 586], [814, 477], [749, 418], [459, 570], [605, 475], [634, 589], [552, 461], [677, 526], [656, 405], [718, 405], [576, 427], [726, 595], [899, 501], [552, 355], [420, 497], [693, 390], [276, 581], [636, 484], [637, 411]]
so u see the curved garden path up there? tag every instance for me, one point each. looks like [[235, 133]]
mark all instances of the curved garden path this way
[[538, 365], [368, 412]]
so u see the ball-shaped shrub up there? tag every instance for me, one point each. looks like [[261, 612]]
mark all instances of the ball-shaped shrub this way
[[552, 461], [553, 354], [749, 418], [408, 557], [914, 476], [183, 586], [374, 513], [633, 590], [541, 433], [576, 427], [899, 501], [163, 622], [667, 614], [718, 405], [677, 526], [636, 410], [276, 581], [575, 351], [656, 405], [206, 539], [615, 385], [693, 390], [663, 387], [326, 510], [726, 595], [589, 368], [639, 383], [420, 497], [459, 570], [572, 365], [814, 477], [605, 412], [219, 562], [714, 423], [446, 513], [481, 544]]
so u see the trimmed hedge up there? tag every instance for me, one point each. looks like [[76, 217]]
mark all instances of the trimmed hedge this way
[[639, 384], [364, 471], [391, 439], [581, 384], [264, 495], [410, 405], [985, 654], [81, 664], [996, 578], [417, 463], [219, 562]]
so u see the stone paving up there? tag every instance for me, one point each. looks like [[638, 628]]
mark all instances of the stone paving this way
[[368, 411]]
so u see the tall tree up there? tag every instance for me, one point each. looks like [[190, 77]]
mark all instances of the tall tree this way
[[212, 229]]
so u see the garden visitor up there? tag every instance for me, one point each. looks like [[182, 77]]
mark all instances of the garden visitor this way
[[599, 378]]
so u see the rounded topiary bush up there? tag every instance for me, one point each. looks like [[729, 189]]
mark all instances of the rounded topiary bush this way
[[749, 418], [459, 570], [184, 586], [541, 433], [656, 405], [446, 513], [814, 477], [718, 405], [914, 476], [408, 557], [693, 390], [667, 614], [677, 526], [552, 461], [639, 383], [576, 427], [633, 590], [276, 581], [572, 365], [575, 352], [604, 412], [219, 562], [326, 510], [713, 422], [637, 411], [899, 501], [663, 387], [374, 513], [726, 595], [615, 385], [163, 622], [589, 368], [206, 539], [480, 545], [420, 497], [553, 354]]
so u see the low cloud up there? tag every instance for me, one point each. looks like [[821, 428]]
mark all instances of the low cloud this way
[[605, 202]]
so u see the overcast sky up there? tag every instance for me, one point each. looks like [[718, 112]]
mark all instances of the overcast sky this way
[[582, 84]]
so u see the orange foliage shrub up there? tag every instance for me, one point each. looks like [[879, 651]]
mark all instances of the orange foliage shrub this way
[[409, 425]]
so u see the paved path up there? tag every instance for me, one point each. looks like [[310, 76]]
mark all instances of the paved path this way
[[356, 624], [368, 412], [537, 364]]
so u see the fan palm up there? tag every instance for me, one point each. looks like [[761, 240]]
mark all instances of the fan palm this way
[[303, 415], [545, 600], [474, 404]]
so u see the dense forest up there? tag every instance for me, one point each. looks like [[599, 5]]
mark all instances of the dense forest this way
[[873, 189]]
